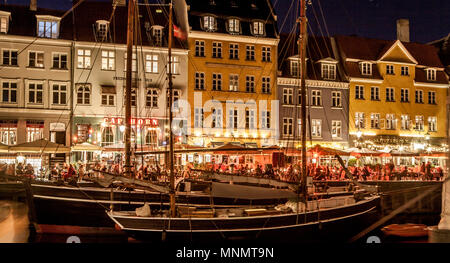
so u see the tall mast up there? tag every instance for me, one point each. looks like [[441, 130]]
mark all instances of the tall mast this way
[[170, 98], [302, 69], [130, 34]]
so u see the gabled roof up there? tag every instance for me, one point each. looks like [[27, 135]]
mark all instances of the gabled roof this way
[[318, 49], [398, 44], [245, 10]]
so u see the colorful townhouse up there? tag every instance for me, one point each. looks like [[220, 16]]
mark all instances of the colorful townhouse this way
[[232, 73]]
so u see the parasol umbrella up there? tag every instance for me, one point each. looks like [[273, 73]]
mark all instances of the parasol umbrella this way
[[40, 146]]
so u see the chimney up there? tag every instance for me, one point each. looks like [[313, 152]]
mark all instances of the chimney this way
[[403, 30], [119, 2], [33, 5]]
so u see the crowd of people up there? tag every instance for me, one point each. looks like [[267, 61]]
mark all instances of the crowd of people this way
[[290, 173]]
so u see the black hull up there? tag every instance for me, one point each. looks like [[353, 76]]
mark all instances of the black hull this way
[[337, 224]]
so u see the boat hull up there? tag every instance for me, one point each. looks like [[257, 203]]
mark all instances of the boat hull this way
[[337, 224]]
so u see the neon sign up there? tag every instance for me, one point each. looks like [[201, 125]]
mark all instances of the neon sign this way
[[134, 121]]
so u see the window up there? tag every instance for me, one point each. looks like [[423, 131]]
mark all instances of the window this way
[[108, 59], [294, 67], [391, 122], [209, 23], [390, 94], [151, 63], [157, 33], [375, 120], [151, 98], [288, 124], [258, 28], [107, 136], [336, 99], [35, 93], [216, 81], [9, 92], [266, 54], [4, 21], [217, 50], [366, 68], [35, 131], [316, 98], [8, 132], [84, 58], [108, 99], [59, 94], [60, 61], [431, 74], [390, 69], [250, 83], [374, 93], [405, 71], [133, 62], [83, 132], [288, 96], [48, 29], [419, 123], [234, 51], [431, 97], [175, 98], [265, 119], [359, 92], [84, 95], [404, 95], [300, 97], [432, 124], [199, 48], [133, 97], [265, 85], [405, 122], [360, 121], [250, 54], [250, 119], [36, 59], [175, 64], [9, 57], [232, 119], [316, 128], [151, 137], [299, 127], [234, 82], [328, 71], [336, 129], [419, 96], [234, 26], [102, 30], [199, 80], [216, 118]]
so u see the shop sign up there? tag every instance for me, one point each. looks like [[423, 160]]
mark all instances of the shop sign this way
[[134, 121], [190, 158], [57, 126]]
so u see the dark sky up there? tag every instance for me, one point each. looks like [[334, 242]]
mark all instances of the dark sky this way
[[429, 19]]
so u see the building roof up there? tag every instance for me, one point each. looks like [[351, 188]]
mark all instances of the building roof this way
[[318, 49], [245, 10], [80, 24]]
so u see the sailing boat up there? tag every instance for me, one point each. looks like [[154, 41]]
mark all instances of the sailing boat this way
[[301, 220]]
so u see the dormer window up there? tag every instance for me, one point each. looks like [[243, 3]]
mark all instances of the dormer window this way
[[431, 74], [258, 28], [234, 26], [209, 23], [328, 71], [366, 68], [4, 21], [212, 2], [157, 34], [48, 26], [295, 68], [102, 29]]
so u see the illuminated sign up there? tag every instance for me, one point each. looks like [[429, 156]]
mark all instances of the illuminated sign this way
[[134, 121]]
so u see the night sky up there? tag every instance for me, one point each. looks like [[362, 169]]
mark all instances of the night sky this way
[[429, 19]]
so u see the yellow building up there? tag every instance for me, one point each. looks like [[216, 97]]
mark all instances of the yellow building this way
[[398, 93], [232, 73]]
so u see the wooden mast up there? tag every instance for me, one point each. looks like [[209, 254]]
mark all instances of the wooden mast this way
[[302, 69], [170, 98], [130, 34]]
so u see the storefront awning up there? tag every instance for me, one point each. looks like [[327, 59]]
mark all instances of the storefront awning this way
[[39, 146], [3, 148], [82, 147]]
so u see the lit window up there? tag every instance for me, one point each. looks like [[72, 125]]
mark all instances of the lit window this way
[[216, 118], [250, 119], [4, 23], [375, 120], [336, 129], [133, 62], [198, 118], [295, 68], [234, 26], [151, 63], [107, 136], [234, 82], [102, 30], [108, 60], [84, 58], [391, 122], [419, 123], [175, 64], [157, 35], [209, 23], [405, 122], [48, 28], [432, 124], [258, 28], [316, 128], [329, 71], [360, 120], [36, 59]]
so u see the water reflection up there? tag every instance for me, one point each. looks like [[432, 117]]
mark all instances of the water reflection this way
[[14, 224]]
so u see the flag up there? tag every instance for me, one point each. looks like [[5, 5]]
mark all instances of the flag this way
[[179, 33]]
